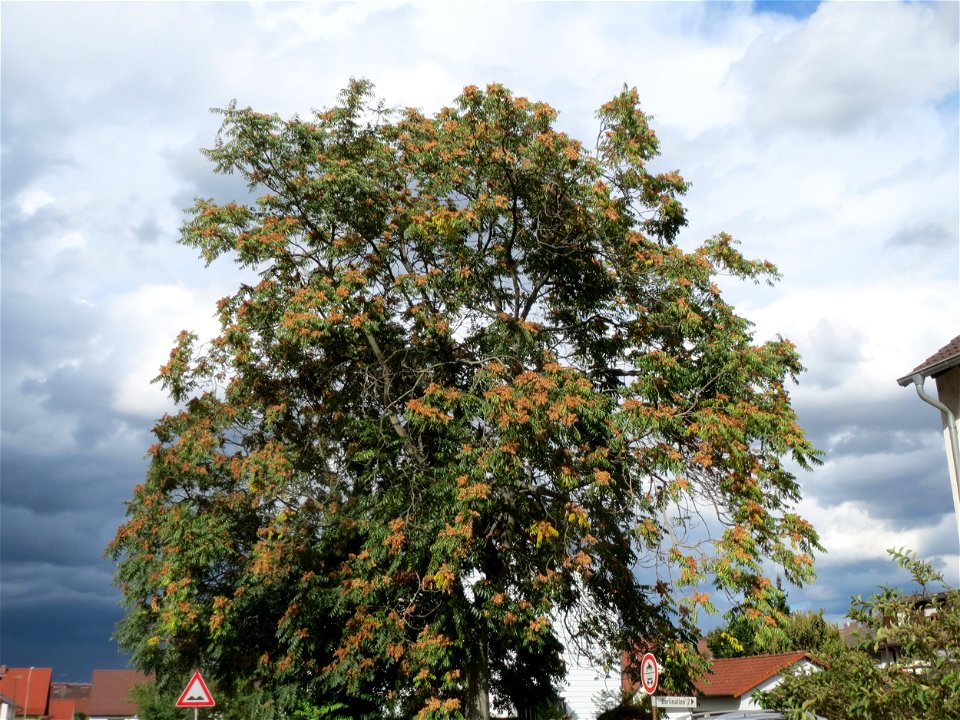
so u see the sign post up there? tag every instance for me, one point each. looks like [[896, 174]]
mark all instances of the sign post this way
[[196, 695], [650, 677]]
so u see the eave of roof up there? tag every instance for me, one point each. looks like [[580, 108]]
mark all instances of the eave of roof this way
[[942, 360]]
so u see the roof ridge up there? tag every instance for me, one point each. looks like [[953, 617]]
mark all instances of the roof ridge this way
[[765, 655]]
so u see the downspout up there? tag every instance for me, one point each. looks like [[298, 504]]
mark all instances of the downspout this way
[[918, 379]]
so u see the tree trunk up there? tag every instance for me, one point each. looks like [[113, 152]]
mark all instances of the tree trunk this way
[[478, 682]]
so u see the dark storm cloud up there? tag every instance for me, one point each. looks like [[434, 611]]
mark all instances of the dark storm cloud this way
[[923, 235], [32, 128], [147, 230], [838, 423], [69, 389], [68, 458], [30, 151], [53, 368], [70, 582], [76, 480], [59, 511], [838, 581], [832, 353], [68, 629], [198, 179], [859, 441], [905, 490], [43, 537], [22, 231], [883, 454], [81, 396], [40, 326]]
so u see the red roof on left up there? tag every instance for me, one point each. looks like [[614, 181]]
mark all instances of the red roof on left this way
[[15, 684]]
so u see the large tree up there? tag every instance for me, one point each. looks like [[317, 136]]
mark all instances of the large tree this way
[[476, 393]]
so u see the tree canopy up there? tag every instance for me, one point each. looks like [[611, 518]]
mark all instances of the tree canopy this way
[[780, 631], [475, 404]]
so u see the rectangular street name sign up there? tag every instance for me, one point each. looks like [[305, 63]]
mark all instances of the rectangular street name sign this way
[[673, 701]]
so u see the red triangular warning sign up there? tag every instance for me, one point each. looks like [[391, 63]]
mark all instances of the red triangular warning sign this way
[[196, 694]]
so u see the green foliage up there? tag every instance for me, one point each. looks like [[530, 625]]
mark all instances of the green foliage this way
[[157, 701], [743, 636], [330, 711], [473, 390], [153, 704], [924, 681], [628, 706], [922, 572]]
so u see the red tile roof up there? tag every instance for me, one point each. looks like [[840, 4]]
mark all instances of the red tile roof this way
[[110, 692], [943, 359], [737, 676], [68, 699], [62, 709], [14, 685]]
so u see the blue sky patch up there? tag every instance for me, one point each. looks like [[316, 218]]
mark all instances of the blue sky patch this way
[[799, 9]]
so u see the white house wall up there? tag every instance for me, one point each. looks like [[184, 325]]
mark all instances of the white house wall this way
[[587, 687]]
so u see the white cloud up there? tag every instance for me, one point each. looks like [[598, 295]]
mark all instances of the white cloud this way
[[851, 63], [851, 534], [853, 538], [32, 199], [145, 323], [70, 240], [884, 327], [300, 23]]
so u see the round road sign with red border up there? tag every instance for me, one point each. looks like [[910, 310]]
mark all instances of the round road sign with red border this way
[[649, 673]]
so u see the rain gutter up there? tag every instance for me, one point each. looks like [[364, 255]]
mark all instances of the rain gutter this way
[[917, 380]]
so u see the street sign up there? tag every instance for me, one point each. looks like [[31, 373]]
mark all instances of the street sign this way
[[196, 694], [673, 701], [649, 673]]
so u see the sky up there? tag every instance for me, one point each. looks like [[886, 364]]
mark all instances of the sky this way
[[823, 136]]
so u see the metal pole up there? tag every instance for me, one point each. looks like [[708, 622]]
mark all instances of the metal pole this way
[[653, 706], [27, 698]]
